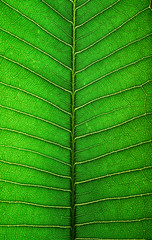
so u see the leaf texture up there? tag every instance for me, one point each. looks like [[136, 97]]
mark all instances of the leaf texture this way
[[75, 119]]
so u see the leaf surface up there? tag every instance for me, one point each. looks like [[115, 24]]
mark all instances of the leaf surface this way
[[75, 119]]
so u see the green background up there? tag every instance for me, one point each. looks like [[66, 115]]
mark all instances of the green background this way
[[112, 126]]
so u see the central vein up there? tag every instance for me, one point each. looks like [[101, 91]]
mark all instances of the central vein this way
[[73, 190]]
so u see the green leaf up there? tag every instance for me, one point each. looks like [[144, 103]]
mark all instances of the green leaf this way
[[75, 119]]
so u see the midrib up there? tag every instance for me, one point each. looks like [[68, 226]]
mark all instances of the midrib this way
[[73, 197]]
